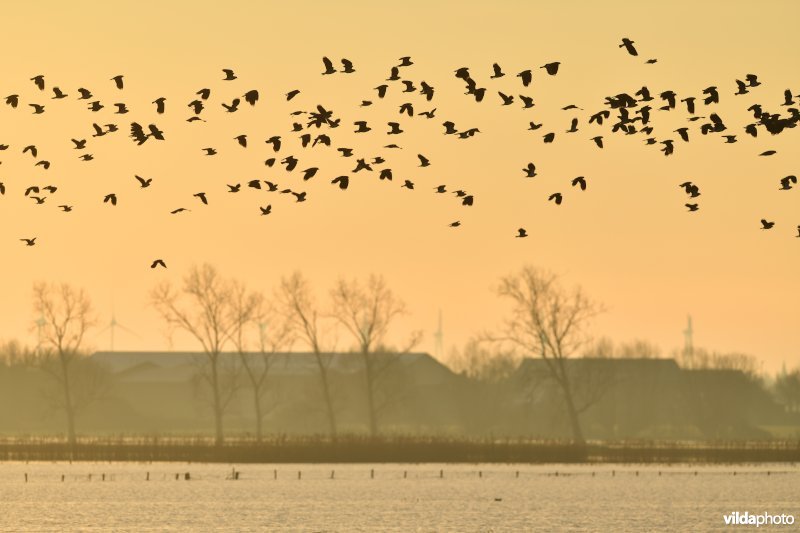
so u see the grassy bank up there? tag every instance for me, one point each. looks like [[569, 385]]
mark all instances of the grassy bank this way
[[356, 449]]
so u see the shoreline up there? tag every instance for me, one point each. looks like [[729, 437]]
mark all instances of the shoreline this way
[[397, 450]]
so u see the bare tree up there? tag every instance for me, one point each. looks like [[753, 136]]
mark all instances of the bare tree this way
[[249, 313], [549, 322], [204, 307], [367, 312], [66, 315], [787, 389], [303, 316]]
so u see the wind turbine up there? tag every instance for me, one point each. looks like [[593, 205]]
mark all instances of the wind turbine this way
[[113, 325]]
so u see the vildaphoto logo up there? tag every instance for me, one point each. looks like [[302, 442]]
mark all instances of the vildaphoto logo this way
[[764, 519]]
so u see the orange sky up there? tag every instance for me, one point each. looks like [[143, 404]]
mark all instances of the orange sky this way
[[627, 239]]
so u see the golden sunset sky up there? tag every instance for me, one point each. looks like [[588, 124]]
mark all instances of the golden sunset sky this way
[[628, 239]]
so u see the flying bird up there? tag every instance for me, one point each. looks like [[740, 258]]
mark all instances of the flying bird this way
[[158, 263], [786, 183], [266, 210], [530, 170], [581, 181], [342, 181], [551, 68], [118, 81], [143, 183], [556, 197], [521, 233], [229, 75], [628, 45], [328, 66], [202, 197], [765, 224], [526, 76], [29, 242], [110, 198]]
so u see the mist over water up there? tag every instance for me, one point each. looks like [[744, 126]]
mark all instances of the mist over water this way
[[400, 497]]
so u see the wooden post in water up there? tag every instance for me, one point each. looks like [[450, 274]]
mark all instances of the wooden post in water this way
[[147, 477], [332, 473], [103, 477], [62, 478], [372, 473], [405, 474], [26, 477], [299, 474], [480, 474], [187, 476], [517, 474], [441, 474]]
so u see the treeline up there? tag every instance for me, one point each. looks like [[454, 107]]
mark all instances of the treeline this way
[[547, 322]]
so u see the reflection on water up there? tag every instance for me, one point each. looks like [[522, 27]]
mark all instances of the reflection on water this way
[[476, 497]]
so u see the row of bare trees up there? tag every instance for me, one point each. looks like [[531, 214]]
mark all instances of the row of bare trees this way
[[222, 313]]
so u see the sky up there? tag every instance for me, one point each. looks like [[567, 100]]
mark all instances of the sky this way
[[628, 239]]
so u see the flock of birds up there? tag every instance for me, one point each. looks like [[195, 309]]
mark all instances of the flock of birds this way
[[626, 114]]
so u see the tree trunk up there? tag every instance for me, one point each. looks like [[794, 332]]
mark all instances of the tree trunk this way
[[373, 419], [572, 413], [220, 438], [68, 407], [326, 393], [257, 406]]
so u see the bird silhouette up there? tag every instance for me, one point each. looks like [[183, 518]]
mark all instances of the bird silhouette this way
[[405, 61], [158, 263], [530, 170], [507, 99], [291, 94], [266, 210], [143, 183], [242, 140], [118, 81], [765, 224], [581, 181], [556, 197], [342, 181], [29, 242], [12, 100], [85, 94], [38, 81], [202, 197], [348, 66], [598, 140], [455, 224], [768, 153], [235, 188], [526, 76], [497, 72], [37, 109], [440, 189], [251, 97], [786, 183], [80, 144], [159, 105], [521, 233], [408, 184], [39, 199], [628, 45], [692, 207], [65, 208], [467, 200], [551, 68], [58, 94], [549, 137], [112, 198], [178, 210], [210, 151], [423, 161], [233, 106], [328, 66], [229, 75]]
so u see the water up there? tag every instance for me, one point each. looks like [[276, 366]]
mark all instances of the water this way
[[462, 500]]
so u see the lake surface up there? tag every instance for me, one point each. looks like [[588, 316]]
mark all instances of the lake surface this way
[[487, 497]]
